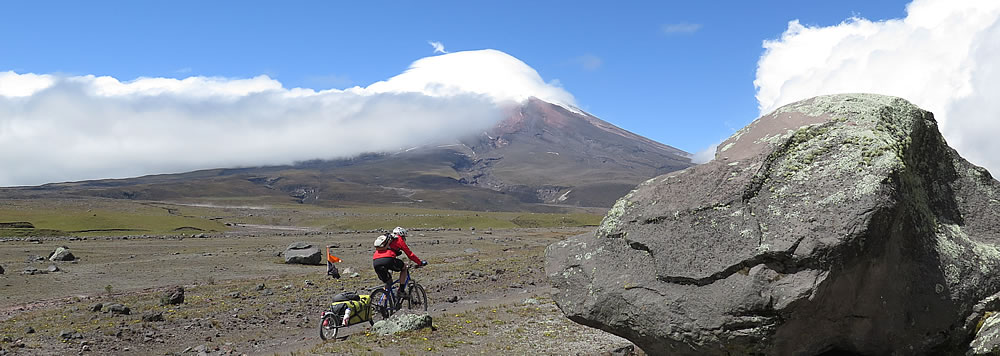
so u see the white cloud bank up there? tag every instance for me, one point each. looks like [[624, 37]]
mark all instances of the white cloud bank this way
[[943, 56], [62, 128]]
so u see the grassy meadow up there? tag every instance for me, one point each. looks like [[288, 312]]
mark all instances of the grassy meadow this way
[[103, 217]]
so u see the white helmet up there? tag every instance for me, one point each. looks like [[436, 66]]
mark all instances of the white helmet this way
[[399, 230]]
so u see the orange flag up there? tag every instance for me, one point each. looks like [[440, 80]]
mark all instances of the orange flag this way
[[331, 258]]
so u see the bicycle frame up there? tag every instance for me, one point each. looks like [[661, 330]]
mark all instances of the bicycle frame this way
[[390, 290]]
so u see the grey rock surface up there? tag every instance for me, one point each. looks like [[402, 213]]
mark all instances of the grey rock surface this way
[[987, 341], [840, 223], [402, 322]]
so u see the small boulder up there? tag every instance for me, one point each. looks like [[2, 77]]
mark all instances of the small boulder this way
[[173, 297], [153, 317], [402, 322], [31, 271], [70, 334], [52, 269], [29, 330], [303, 253], [118, 309], [61, 254], [1, 269], [96, 307]]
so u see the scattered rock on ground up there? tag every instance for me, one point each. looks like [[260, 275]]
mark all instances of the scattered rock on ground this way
[[303, 253], [52, 269], [173, 297], [828, 216], [153, 317], [471, 250], [29, 330], [31, 271], [62, 254], [118, 309], [402, 322], [1, 270], [96, 307], [70, 334]]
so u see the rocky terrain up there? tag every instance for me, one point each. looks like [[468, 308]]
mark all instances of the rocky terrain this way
[[119, 295], [840, 224]]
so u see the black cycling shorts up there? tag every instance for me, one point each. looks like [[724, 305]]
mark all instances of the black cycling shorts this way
[[384, 265]]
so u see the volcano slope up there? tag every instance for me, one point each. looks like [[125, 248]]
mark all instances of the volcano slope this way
[[839, 223], [542, 158]]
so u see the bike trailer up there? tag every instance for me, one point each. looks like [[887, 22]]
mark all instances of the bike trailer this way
[[360, 309]]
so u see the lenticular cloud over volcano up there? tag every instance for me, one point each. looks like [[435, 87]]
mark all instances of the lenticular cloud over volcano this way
[[942, 57], [489, 72], [61, 128]]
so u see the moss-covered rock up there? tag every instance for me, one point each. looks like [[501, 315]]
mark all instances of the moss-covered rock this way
[[841, 222]]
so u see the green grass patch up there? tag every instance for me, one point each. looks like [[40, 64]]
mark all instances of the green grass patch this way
[[106, 218]]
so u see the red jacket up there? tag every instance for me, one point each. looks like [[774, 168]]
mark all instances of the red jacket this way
[[397, 244]]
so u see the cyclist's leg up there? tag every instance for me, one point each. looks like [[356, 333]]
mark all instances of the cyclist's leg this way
[[383, 266], [398, 265]]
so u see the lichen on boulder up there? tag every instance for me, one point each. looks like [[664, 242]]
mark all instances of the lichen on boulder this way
[[837, 223]]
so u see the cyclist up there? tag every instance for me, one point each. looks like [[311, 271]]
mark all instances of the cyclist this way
[[387, 247]]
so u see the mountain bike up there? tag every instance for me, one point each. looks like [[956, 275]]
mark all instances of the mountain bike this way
[[385, 301]]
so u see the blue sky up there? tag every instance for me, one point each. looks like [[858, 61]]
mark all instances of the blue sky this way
[[687, 89], [679, 72]]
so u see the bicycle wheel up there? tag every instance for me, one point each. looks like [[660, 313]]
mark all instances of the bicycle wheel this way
[[417, 299], [381, 305], [328, 326]]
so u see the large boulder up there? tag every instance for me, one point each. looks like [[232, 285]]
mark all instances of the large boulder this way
[[840, 223], [303, 253], [61, 254]]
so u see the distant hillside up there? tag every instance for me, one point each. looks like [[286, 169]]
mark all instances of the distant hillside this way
[[541, 158]]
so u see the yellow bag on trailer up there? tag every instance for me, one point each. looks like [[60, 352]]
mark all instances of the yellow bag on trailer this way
[[360, 309]]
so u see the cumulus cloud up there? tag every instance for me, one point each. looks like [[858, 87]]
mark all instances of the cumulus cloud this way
[[680, 28], [942, 57], [62, 128], [438, 47]]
